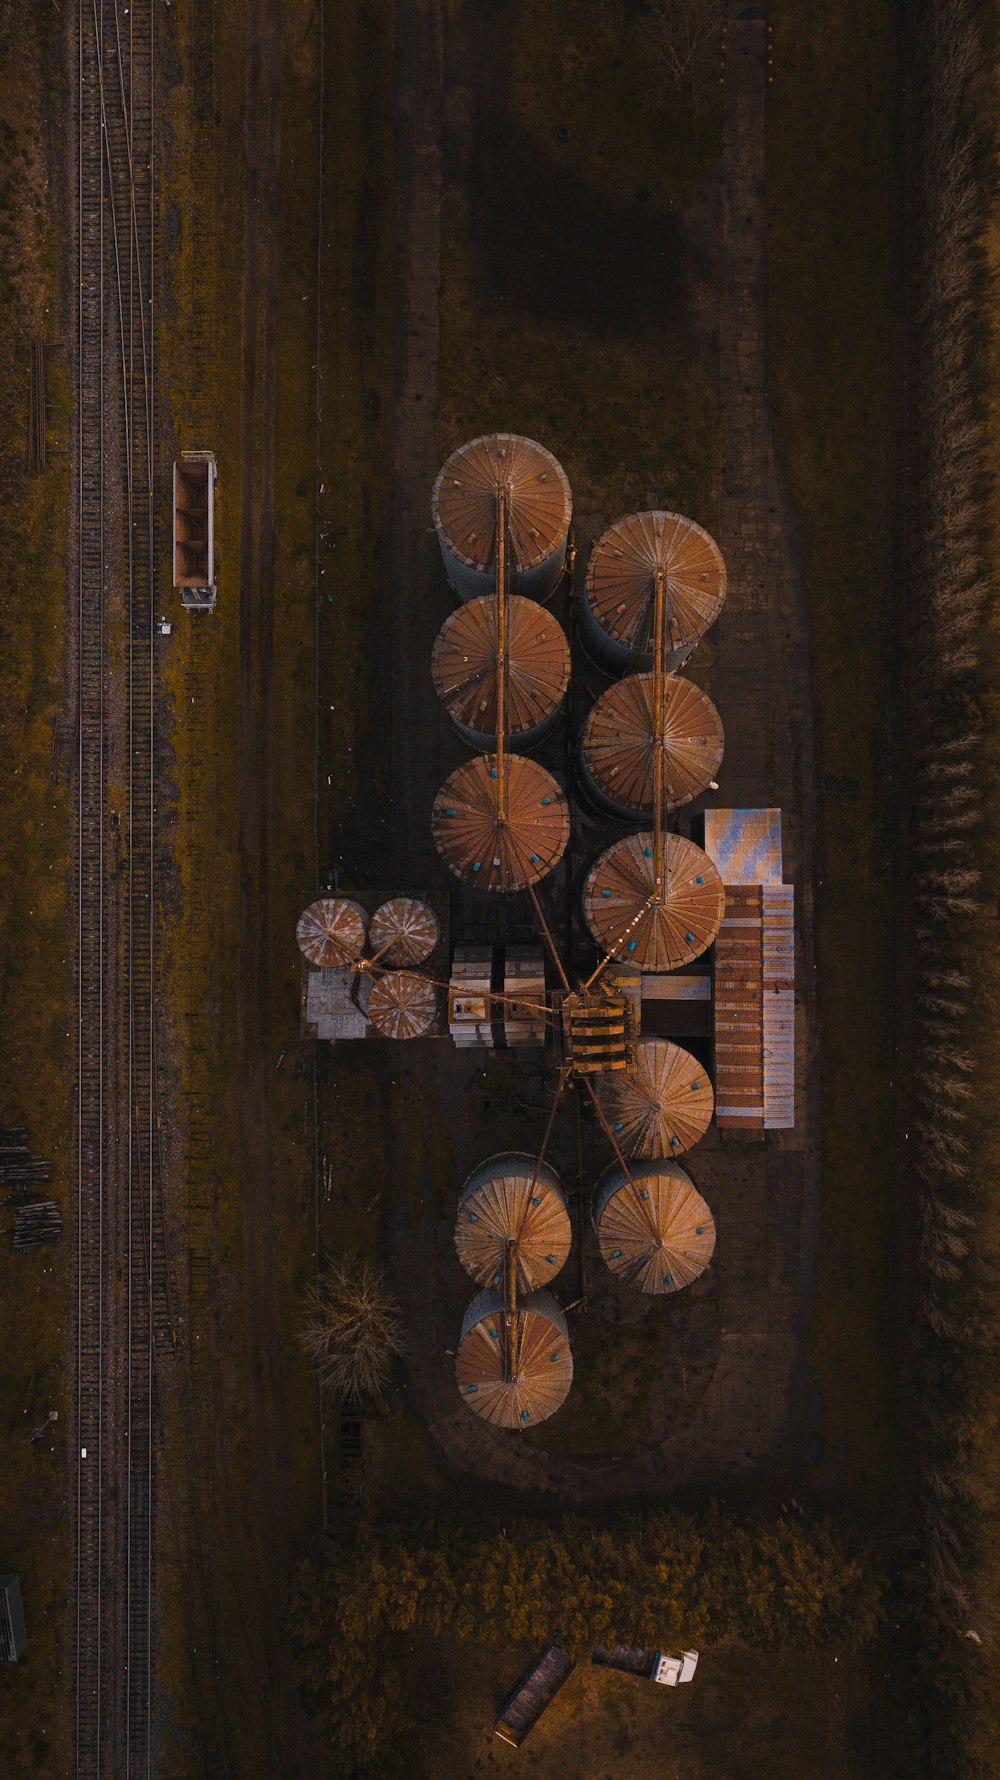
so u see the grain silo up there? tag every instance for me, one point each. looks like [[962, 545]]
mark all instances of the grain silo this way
[[500, 827], [661, 1105], [512, 1214], [332, 931], [402, 1004], [464, 669], [640, 552], [465, 503], [619, 744], [404, 930], [650, 926], [514, 1368], [655, 1230]]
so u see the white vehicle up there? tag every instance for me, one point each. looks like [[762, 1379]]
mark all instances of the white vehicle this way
[[670, 1671]]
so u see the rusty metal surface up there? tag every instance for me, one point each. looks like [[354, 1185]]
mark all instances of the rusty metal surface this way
[[662, 1245], [617, 742], [621, 576], [660, 934], [662, 1105], [464, 665], [464, 500], [543, 1371], [492, 851]]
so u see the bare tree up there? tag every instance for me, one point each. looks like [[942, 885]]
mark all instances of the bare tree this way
[[683, 38], [352, 1331]]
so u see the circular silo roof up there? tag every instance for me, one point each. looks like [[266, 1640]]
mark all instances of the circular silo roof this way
[[464, 501], [404, 931], [618, 741], [332, 931], [543, 1364], [402, 1004], [512, 1197], [621, 580], [662, 1105], [487, 850], [656, 1231], [654, 935], [464, 665]]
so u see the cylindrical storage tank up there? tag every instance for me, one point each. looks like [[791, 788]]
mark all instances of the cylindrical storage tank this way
[[332, 931], [402, 1004], [491, 851], [673, 930], [512, 1198], [542, 1369], [662, 1105], [655, 1230], [617, 609], [404, 931], [464, 670], [617, 745], [540, 506]]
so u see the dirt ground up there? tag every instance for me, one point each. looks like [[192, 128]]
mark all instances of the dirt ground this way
[[483, 261]]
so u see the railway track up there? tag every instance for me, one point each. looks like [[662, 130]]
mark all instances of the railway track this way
[[125, 1315]]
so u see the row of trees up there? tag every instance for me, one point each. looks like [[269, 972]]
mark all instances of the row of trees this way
[[662, 1579], [948, 593]]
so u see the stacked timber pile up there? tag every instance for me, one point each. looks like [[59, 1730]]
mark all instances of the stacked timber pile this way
[[36, 1219]]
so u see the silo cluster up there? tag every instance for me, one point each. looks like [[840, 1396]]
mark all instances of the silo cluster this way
[[502, 509], [376, 991]]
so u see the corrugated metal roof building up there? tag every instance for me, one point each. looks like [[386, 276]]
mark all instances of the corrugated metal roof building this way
[[754, 974]]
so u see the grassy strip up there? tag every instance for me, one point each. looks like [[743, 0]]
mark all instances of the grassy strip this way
[[36, 990], [835, 352]]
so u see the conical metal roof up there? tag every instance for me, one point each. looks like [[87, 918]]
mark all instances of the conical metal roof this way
[[621, 580], [402, 1004], [678, 927], [487, 851], [512, 1197], [618, 749], [464, 665], [404, 931], [464, 500], [656, 1231], [332, 931], [660, 1106], [543, 1363]]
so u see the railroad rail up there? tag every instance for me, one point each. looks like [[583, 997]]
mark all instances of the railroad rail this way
[[124, 1310]]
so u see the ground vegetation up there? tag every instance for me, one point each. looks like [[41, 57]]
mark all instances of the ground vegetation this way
[[951, 993], [36, 989], [352, 1331], [661, 1579]]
